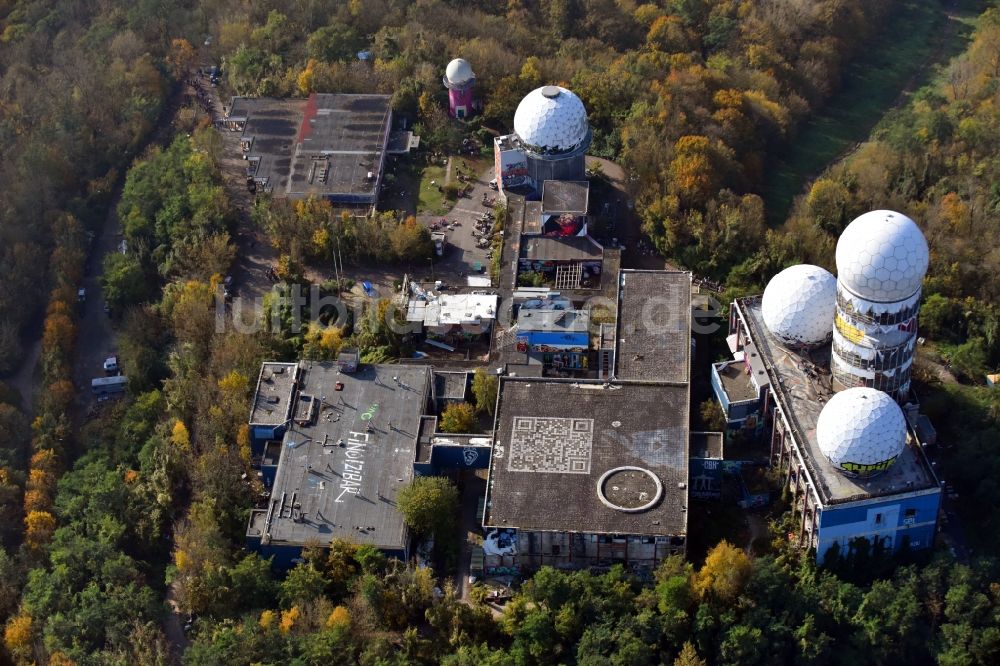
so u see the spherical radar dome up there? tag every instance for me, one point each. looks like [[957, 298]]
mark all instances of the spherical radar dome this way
[[882, 256], [459, 71], [862, 431], [799, 304], [551, 119]]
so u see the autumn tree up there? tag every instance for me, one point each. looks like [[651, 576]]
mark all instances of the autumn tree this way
[[180, 58], [458, 417], [18, 637], [484, 389], [689, 656], [39, 526], [429, 505], [724, 574]]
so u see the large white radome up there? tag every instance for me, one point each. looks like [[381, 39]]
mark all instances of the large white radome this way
[[861, 430], [799, 304], [459, 71], [551, 118], [882, 256]]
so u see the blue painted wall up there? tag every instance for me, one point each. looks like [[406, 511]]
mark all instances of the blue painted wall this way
[[705, 478], [260, 434], [283, 555], [461, 457], [892, 520]]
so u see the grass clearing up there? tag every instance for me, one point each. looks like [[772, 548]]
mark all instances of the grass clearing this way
[[431, 199], [920, 34]]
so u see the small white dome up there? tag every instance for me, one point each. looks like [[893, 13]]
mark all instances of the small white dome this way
[[862, 431], [551, 119], [799, 304], [459, 71], [882, 256]]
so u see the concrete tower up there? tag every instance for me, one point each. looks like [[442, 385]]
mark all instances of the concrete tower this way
[[882, 258], [458, 79]]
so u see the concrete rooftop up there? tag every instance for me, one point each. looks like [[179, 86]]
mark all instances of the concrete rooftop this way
[[803, 387], [272, 402], [325, 145], [339, 476], [654, 326], [555, 439]]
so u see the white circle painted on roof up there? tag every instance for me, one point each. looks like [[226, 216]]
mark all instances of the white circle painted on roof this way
[[799, 304], [551, 118], [636, 503], [459, 71], [862, 431], [882, 256]]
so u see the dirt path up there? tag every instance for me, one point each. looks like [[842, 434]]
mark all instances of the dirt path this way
[[23, 381], [758, 529]]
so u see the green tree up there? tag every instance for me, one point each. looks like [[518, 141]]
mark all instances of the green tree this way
[[712, 416], [251, 583], [970, 359], [458, 417], [333, 42], [484, 389], [941, 318], [304, 583], [429, 505], [124, 281]]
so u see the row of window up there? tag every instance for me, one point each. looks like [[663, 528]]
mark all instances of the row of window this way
[[884, 360], [882, 318], [882, 382]]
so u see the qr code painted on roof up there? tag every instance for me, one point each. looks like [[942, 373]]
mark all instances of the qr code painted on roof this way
[[557, 445]]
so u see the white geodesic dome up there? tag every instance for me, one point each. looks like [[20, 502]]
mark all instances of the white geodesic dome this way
[[799, 304], [882, 256], [551, 119], [459, 72], [861, 430]]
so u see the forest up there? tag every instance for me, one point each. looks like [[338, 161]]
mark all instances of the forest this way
[[103, 520]]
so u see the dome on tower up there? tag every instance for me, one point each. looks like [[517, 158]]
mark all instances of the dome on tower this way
[[862, 431], [882, 256], [551, 119], [459, 72], [799, 304]]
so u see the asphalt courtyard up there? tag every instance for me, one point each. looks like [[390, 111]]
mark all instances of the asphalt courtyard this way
[[461, 253]]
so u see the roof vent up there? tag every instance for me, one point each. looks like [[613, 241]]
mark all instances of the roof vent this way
[[551, 92]]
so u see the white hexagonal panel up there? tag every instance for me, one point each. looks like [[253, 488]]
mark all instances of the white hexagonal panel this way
[[882, 256], [459, 72], [799, 303], [862, 431], [551, 119]]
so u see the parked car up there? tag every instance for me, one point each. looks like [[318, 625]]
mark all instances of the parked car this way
[[111, 365]]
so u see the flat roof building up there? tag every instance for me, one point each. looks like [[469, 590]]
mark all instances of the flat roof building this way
[[565, 197], [327, 146], [556, 440], [781, 392], [654, 326], [272, 402], [471, 314], [592, 472], [340, 462]]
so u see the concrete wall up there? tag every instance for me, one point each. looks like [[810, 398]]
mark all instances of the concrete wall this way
[[705, 478], [736, 412], [578, 551], [893, 522]]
